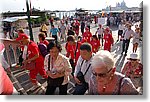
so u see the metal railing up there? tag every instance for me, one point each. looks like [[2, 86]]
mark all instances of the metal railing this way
[[11, 50]]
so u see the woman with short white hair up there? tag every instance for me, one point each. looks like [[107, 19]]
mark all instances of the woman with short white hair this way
[[105, 80]]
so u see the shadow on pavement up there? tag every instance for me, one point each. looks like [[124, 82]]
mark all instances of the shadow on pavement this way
[[117, 48], [113, 28], [120, 62]]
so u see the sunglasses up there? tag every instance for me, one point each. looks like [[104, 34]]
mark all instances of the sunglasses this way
[[133, 59], [101, 74]]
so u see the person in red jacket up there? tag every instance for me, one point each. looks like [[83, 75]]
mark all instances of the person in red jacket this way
[[31, 54], [73, 51], [87, 35], [77, 24], [95, 42], [108, 39]]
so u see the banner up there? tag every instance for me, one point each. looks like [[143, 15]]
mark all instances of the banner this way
[[102, 21]]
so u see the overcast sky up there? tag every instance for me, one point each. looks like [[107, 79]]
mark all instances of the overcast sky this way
[[19, 5]]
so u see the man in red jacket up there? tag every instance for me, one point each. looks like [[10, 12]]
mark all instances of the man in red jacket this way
[[31, 54]]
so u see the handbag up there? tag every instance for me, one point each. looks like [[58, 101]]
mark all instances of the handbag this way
[[30, 65], [80, 75], [81, 89]]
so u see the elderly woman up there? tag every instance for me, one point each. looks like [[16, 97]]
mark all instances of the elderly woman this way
[[134, 70], [105, 80], [58, 69]]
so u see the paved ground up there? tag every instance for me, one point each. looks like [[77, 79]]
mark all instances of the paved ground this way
[[21, 80]]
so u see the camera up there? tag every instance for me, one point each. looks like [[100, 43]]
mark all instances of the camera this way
[[53, 71]]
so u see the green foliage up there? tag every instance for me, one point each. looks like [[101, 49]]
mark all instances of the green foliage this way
[[38, 21]]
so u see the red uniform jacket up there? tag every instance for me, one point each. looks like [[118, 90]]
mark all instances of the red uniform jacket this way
[[87, 37], [95, 45], [108, 41]]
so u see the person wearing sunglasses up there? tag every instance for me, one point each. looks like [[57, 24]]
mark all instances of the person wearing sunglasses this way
[[134, 70], [105, 80]]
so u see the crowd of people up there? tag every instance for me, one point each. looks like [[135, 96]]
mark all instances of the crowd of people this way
[[88, 58]]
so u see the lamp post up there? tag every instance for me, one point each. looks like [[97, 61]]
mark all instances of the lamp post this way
[[29, 21]]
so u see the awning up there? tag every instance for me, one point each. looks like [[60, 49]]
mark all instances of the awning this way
[[13, 19]]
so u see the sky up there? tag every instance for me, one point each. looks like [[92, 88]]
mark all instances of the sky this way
[[19, 5]]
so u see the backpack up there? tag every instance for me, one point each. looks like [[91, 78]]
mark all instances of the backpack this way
[[43, 49]]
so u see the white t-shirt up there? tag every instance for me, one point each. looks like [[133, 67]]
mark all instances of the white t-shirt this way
[[24, 56], [128, 34], [121, 27], [100, 31]]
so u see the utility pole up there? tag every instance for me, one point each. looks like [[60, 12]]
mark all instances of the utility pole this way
[[29, 21]]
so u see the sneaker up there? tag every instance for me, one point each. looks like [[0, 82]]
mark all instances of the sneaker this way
[[43, 88]]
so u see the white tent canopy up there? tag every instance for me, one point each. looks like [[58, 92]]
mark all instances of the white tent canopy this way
[[13, 19]]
